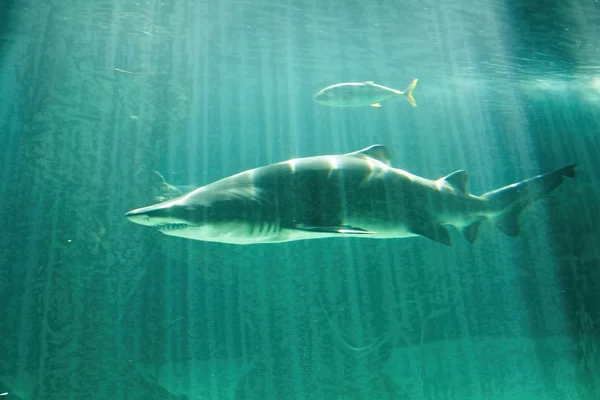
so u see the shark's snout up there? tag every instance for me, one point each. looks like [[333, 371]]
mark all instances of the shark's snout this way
[[150, 215], [139, 216], [163, 216]]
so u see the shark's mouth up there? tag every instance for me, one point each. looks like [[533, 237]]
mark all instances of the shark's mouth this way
[[171, 227]]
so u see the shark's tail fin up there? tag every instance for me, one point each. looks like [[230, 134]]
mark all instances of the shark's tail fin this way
[[408, 92], [509, 201]]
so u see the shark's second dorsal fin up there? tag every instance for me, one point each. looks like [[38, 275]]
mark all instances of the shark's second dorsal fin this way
[[376, 151], [458, 180]]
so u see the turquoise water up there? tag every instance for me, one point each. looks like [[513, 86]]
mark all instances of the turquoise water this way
[[96, 96]]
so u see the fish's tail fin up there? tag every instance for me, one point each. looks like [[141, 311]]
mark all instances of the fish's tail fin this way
[[508, 202], [408, 92]]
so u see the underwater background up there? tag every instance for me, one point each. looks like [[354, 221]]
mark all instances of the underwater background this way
[[97, 95]]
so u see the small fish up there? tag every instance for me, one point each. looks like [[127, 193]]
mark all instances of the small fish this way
[[355, 94], [165, 191]]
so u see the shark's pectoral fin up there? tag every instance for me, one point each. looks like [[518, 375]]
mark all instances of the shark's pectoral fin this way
[[470, 232], [341, 229], [433, 231]]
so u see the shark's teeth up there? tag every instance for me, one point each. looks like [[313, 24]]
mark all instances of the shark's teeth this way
[[170, 227]]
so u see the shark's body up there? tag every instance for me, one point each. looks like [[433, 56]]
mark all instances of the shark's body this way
[[355, 195]]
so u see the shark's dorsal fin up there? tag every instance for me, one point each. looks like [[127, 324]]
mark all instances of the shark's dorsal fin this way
[[458, 180], [376, 151]]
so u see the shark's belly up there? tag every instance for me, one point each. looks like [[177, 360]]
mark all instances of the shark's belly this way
[[259, 232], [288, 235]]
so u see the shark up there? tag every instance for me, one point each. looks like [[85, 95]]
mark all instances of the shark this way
[[357, 194]]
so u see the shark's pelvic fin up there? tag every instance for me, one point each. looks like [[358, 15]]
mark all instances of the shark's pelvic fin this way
[[423, 225], [435, 232]]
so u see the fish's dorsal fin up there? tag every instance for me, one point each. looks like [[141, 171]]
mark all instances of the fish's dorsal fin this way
[[458, 180], [376, 151]]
